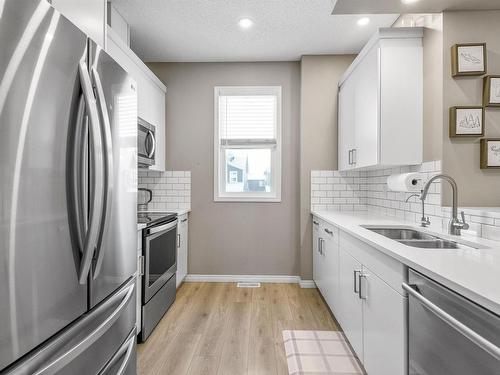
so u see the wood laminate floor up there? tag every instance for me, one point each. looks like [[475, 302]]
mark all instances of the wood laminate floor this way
[[219, 329]]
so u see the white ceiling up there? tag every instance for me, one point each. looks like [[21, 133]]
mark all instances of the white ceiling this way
[[207, 30], [418, 6]]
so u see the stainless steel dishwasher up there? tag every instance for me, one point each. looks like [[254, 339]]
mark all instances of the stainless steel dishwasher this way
[[448, 334]]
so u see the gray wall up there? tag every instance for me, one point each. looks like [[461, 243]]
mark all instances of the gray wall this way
[[232, 238], [318, 135], [461, 157]]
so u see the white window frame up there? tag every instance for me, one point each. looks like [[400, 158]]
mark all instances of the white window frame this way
[[219, 150]]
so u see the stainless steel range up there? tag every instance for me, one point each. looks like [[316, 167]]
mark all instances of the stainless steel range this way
[[159, 249]]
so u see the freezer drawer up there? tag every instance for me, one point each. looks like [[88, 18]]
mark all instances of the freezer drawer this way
[[94, 344], [448, 334]]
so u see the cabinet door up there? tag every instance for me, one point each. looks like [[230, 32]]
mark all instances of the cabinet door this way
[[366, 107], [346, 124], [182, 249], [88, 15], [349, 311], [331, 267], [384, 312], [316, 253]]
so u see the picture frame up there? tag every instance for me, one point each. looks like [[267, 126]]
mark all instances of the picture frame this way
[[490, 153], [467, 121], [468, 59], [491, 91]]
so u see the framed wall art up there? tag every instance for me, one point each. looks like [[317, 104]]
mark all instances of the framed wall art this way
[[490, 153], [468, 59], [491, 91], [466, 122]]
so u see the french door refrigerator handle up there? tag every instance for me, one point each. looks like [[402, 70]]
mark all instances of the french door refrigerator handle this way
[[77, 190], [108, 176], [127, 349], [91, 237], [454, 323]]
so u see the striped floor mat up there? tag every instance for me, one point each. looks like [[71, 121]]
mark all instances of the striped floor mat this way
[[319, 353]]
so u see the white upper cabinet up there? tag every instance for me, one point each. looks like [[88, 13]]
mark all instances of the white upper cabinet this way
[[380, 117], [150, 92], [88, 15]]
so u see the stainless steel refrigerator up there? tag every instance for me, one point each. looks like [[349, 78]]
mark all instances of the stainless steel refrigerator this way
[[68, 188]]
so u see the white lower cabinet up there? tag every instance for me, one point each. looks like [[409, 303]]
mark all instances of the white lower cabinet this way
[[359, 283], [140, 268], [317, 259], [182, 248], [384, 327], [350, 310], [330, 254]]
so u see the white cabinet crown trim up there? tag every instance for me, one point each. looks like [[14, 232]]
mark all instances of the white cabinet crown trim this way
[[382, 33], [113, 35]]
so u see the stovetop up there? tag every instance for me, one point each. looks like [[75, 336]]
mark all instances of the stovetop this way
[[151, 218]]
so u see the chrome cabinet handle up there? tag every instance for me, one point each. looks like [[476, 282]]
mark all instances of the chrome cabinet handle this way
[[328, 231], [350, 157], [108, 175], [184, 220], [355, 280], [320, 247], [361, 277], [97, 198], [354, 155], [315, 222], [178, 240], [141, 265], [461, 328]]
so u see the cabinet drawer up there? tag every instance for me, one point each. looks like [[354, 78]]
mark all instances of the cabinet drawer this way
[[385, 267]]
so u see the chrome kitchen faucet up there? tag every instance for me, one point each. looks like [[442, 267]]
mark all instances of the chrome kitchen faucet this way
[[455, 227]]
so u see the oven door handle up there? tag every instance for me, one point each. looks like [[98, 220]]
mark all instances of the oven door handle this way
[[162, 228], [454, 323]]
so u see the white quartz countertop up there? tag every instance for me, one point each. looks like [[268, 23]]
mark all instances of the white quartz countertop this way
[[179, 212], [473, 273]]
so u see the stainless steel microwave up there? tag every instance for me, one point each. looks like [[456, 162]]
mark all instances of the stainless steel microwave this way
[[146, 143]]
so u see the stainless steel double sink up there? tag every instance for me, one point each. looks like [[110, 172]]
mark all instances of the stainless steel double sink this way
[[414, 238]]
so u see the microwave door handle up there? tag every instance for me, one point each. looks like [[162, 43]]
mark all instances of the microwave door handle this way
[[153, 143], [108, 175], [461, 328], [96, 198]]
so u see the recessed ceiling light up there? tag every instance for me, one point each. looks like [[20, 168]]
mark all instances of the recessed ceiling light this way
[[363, 21], [407, 2], [245, 23]]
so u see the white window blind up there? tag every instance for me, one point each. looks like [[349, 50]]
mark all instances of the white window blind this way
[[247, 118]]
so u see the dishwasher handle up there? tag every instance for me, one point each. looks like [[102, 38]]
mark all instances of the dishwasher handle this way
[[454, 323]]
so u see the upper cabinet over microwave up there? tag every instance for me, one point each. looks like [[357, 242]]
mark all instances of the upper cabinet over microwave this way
[[380, 115]]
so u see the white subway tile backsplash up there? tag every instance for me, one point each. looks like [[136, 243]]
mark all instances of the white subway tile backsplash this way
[[171, 189], [367, 190]]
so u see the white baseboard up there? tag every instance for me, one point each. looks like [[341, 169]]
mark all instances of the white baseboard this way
[[250, 279], [307, 284]]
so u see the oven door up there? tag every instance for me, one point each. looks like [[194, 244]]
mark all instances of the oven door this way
[[160, 257], [146, 143]]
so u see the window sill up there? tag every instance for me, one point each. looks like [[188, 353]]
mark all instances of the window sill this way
[[247, 200]]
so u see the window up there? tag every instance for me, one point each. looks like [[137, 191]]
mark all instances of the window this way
[[247, 153]]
